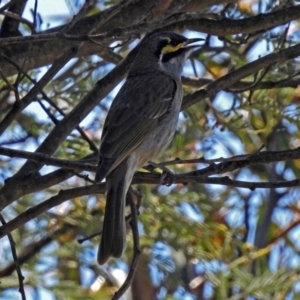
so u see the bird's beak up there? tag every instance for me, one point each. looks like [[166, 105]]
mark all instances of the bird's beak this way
[[191, 41], [188, 48]]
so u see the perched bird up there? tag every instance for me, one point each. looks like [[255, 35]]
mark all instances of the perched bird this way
[[140, 124]]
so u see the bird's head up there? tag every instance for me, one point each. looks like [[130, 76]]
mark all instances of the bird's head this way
[[164, 50]]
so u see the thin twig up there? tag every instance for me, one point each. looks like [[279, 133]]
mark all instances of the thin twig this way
[[78, 16], [127, 218], [80, 241], [93, 147], [285, 231], [290, 81], [136, 249], [19, 106], [35, 13], [6, 81], [248, 184], [27, 253], [16, 261], [18, 18], [7, 5]]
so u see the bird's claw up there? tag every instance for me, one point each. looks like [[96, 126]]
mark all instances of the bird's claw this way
[[167, 178]]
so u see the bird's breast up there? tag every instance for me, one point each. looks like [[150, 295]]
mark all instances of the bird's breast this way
[[162, 135]]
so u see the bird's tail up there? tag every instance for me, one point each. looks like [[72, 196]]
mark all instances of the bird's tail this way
[[113, 240]]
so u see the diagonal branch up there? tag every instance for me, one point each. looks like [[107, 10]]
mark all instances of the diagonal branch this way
[[231, 78], [20, 105], [47, 160], [61, 197], [16, 261], [10, 25], [242, 161], [289, 82]]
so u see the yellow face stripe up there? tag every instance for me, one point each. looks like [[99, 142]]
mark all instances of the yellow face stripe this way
[[169, 48]]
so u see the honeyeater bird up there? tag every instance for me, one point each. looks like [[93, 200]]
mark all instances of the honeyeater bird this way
[[140, 125]]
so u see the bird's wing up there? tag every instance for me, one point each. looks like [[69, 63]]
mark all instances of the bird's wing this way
[[134, 114]]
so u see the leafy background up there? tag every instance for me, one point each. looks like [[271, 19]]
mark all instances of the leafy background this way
[[198, 240]]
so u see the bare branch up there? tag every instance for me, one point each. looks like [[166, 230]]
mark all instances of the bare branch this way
[[200, 22], [47, 160], [244, 85], [224, 165], [241, 161], [19, 19], [7, 5], [10, 25], [231, 78], [16, 261], [20, 105], [26, 254], [78, 16], [247, 184], [30, 184], [61, 197], [214, 25]]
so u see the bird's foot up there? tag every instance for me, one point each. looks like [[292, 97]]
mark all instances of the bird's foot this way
[[167, 177]]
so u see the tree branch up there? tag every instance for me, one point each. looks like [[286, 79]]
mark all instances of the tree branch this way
[[244, 85], [48, 42], [20, 105], [47, 160], [61, 197], [30, 184], [10, 25], [241, 161], [199, 176], [45, 52], [216, 166], [16, 261], [231, 78]]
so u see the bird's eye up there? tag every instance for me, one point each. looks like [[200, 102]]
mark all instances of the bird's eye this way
[[170, 46], [173, 43]]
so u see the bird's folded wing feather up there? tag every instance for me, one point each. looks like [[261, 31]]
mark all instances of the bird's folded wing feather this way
[[134, 114]]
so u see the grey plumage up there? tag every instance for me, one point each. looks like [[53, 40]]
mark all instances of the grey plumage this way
[[139, 126]]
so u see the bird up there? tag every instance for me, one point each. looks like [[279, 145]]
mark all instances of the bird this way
[[140, 124]]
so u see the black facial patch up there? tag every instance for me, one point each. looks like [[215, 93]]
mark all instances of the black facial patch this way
[[167, 56], [174, 40], [174, 43]]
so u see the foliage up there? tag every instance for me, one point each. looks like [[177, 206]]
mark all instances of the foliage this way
[[216, 225]]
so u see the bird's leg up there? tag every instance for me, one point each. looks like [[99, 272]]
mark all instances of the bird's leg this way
[[135, 197], [167, 178], [167, 174]]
